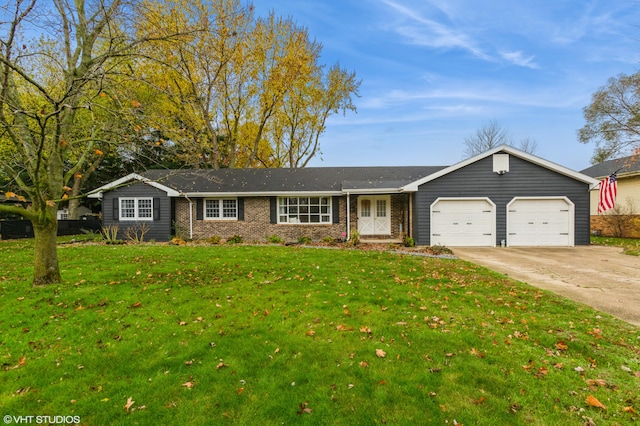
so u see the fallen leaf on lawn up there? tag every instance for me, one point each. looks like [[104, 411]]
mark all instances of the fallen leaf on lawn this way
[[561, 346], [593, 401], [382, 382], [188, 362], [477, 353], [480, 400], [240, 390], [310, 333], [136, 305], [629, 410], [188, 384], [543, 371], [364, 364], [597, 382], [341, 327], [380, 353], [182, 323], [129, 404], [221, 365], [401, 323], [365, 329], [304, 409], [625, 368], [558, 366], [579, 369]]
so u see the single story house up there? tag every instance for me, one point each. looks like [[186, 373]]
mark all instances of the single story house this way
[[628, 198], [501, 197]]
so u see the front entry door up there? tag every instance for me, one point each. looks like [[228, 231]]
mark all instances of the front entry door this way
[[374, 215]]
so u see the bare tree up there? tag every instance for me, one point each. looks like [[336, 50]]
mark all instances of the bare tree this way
[[494, 134]]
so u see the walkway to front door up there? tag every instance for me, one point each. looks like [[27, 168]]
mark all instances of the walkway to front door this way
[[374, 215]]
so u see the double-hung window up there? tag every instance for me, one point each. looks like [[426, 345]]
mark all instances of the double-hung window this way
[[136, 208], [221, 209], [304, 210]]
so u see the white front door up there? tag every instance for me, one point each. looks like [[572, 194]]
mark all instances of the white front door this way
[[374, 215]]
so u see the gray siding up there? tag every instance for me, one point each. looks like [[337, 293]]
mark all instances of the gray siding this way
[[524, 179], [159, 229]]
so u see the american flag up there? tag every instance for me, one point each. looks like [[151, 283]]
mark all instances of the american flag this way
[[608, 192]]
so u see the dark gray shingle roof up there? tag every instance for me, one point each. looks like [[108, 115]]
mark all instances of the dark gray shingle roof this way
[[622, 165], [311, 179]]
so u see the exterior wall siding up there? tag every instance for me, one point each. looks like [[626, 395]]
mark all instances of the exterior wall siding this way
[[524, 179], [158, 230]]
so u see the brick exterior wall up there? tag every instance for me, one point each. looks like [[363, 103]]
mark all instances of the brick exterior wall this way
[[602, 225], [256, 225]]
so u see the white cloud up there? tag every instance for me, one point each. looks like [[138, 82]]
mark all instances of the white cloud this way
[[434, 34], [518, 58]]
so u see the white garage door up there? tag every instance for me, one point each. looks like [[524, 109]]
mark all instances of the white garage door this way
[[540, 222], [463, 222]]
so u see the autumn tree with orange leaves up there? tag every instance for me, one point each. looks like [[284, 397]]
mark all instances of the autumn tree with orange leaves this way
[[62, 65]]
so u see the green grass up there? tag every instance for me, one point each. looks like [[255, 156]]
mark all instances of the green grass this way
[[630, 246], [272, 335]]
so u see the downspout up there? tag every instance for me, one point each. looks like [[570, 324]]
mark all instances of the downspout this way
[[410, 225], [348, 216], [190, 216]]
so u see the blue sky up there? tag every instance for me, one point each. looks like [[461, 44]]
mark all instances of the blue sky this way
[[434, 71]]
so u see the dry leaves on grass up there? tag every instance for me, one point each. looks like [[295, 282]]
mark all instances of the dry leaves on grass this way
[[304, 409], [380, 353], [593, 402], [129, 404]]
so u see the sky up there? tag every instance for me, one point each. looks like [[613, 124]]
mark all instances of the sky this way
[[435, 71]]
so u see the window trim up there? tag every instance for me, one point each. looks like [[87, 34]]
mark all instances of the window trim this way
[[220, 209], [136, 208], [328, 214]]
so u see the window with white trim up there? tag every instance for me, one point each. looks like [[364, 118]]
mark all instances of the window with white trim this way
[[221, 209], [304, 210], [136, 208]]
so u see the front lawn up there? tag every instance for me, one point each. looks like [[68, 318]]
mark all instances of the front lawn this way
[[159, 334]]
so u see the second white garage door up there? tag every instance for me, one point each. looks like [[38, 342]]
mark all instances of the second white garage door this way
[[540, 222], [463, 222]]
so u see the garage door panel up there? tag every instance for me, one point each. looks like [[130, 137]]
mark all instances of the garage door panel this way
[[539, 222], [463, 222]]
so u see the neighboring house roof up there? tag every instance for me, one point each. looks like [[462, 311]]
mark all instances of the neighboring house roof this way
[[312, 180], [624, 166]]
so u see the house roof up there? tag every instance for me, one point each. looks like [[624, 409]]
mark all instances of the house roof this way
[[313, 180], [624, 166], [309, 180]]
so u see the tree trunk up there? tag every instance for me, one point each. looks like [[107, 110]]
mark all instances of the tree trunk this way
[[45, 261]]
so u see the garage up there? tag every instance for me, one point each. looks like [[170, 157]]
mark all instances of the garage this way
[[463, 222], [540, 222]]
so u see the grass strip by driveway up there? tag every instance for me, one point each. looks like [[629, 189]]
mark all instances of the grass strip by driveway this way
[[630, 246], [158, 334]]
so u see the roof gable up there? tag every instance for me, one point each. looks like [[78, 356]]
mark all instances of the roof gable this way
[[413, 186], [97, 193]]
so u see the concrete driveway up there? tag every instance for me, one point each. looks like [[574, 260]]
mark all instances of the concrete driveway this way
[[598, 276]]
